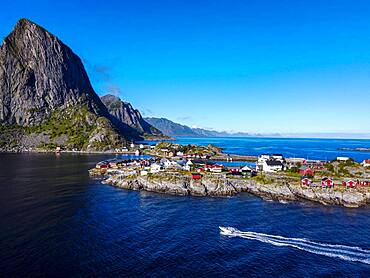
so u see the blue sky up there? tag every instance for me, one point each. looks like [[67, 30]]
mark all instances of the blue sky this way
[[253, 66]]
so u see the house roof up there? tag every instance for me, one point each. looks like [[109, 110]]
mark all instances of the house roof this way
[[235, 173], [274, 163], [350, 181], [304, 167]]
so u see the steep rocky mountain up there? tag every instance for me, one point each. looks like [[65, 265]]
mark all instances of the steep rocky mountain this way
[[174, 129], [46, 98], [124, 112]]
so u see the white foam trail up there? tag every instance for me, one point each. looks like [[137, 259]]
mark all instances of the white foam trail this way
[[348, 253]]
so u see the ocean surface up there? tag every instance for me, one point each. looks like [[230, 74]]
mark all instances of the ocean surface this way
[[324, 149], [55, 221]]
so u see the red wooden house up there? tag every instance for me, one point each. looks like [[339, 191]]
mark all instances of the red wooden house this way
[[235, 170], [349, 183], [196, 176], [306, 181], [363, 183], [214, 168], [326, 182], [101, 165], [306, 171]]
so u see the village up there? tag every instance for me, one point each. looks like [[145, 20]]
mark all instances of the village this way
[[197, 162]]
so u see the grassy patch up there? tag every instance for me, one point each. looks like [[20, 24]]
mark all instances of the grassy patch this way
[[262, 179]]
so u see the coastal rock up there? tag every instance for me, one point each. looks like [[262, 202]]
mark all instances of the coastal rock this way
[[219, 187], [182, 185], [173, 187], [280, 192], [353, 199], [243, 185], [196, 188]]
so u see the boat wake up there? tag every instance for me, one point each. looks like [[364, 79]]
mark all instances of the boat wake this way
[[348, 253]]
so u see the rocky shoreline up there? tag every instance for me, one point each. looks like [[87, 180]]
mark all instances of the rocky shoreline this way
[[217, 187]]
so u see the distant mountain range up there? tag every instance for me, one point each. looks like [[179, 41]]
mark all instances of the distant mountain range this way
[[173, 129]]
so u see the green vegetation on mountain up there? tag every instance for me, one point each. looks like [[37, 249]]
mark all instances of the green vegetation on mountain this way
[[71, 128]]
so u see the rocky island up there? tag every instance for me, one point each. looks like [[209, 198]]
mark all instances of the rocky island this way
[[202, 177], [217, 187]]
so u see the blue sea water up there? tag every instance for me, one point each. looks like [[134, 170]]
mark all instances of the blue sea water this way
[[309, 148], [57, 222]]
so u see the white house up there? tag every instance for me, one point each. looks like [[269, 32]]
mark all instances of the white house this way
[[164, 161], [155, 168], [188, 165], [246, 168], [264, 157], [143, 173], [366, 163], [343, 158], [168, 163], [273, 163], [137, 152], [181, 154], [216, 168], [261, 160], [141, 146], [278, 157], [271, 166]]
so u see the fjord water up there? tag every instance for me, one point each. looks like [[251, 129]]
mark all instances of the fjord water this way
[[309, 148], [56, 221]]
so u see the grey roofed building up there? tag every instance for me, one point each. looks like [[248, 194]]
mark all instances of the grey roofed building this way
[[274, 163]]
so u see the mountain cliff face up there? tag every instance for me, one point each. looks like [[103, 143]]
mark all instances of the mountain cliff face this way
[[39, 73], [46, 98], [125, 113]]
